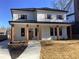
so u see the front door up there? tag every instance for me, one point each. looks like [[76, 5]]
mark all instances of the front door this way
[[30, 34], [33, 34]]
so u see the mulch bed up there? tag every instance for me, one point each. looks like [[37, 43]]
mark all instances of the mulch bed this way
[[16, 52]]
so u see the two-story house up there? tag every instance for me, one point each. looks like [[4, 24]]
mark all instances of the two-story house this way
[[39, 24]]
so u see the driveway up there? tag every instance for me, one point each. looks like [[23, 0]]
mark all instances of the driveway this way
[[4, 52]]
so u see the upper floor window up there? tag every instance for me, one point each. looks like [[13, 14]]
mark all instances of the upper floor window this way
[[49, 16], [59, 17], [23, 17]]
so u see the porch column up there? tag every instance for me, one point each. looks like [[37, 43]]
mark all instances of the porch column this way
[[70, 32], [37, 33], [27, 32], [58, 36], [12, 33], [34, 33]]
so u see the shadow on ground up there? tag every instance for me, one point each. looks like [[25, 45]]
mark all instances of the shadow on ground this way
[[4, 44], [16, 52]]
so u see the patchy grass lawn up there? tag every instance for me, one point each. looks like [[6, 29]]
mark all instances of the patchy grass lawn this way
[[52, 50]]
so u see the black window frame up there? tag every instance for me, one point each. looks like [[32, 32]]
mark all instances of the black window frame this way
[[60, 31], [60, 17], [23, 17], [49, 16], [36, 30], [22, 32], [51, 31], [55, 31]]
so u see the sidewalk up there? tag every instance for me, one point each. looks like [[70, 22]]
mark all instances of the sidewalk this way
[[4, 52], [32, 51]]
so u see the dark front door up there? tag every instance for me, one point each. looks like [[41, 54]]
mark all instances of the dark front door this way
[[30, 34]]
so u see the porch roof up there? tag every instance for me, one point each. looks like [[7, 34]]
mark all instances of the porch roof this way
[[39, 22]]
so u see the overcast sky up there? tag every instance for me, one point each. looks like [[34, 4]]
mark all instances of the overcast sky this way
[[6, 5]]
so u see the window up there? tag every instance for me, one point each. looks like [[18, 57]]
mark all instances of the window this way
[[59, 17], [49, 16], [23, 17], [22, 31], [35, 31], [51, 31], [60, 31]]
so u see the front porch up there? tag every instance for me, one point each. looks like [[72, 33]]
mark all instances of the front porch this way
[[21, 33]]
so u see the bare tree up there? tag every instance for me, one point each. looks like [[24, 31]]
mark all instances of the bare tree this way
[[67, 6], [2, 27], [61, 4]]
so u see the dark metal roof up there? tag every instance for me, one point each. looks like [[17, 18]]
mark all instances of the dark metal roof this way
[[41, 22], [34, 9]]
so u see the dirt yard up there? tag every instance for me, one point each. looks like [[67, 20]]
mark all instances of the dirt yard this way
[[51, 50]]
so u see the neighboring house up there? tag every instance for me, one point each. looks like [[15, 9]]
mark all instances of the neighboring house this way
[[9, 34], [3, 34], [39, 24], [73, 16]]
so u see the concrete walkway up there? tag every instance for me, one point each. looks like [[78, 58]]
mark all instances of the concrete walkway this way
[[4, 52], [32, 51]]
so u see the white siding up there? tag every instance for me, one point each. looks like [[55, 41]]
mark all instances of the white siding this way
[[18, 32], [41, 16], [15, 16], [45, 32], [30, 15]]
